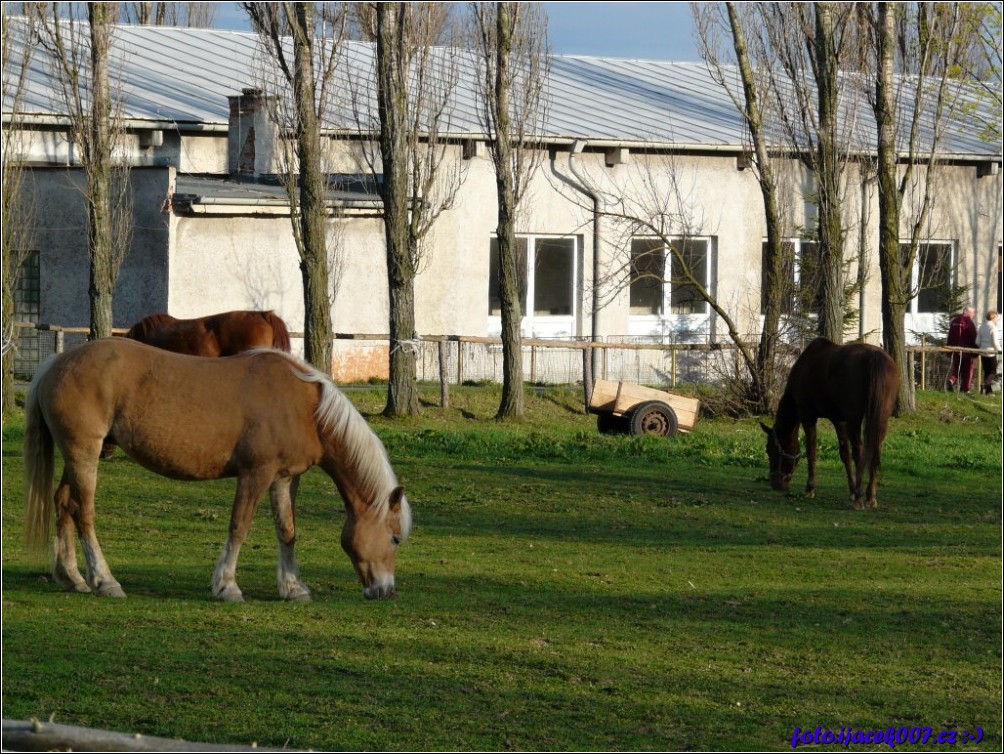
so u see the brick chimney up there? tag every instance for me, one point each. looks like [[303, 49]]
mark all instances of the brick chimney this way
[[251, 138]]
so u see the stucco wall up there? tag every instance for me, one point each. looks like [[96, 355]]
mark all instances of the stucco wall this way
[[194, 265], [60, 223]]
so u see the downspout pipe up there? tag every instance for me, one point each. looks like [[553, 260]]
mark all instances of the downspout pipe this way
[[587, 188]]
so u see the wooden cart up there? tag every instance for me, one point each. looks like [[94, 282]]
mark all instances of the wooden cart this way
[[640, 410]]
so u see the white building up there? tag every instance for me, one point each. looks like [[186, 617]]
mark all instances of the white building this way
[[620, 134]]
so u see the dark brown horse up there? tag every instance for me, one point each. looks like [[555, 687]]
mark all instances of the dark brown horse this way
[[853, 386], [224, 334]]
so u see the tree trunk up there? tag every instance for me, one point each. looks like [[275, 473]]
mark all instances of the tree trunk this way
[[828, 174], [314, 264], [511, 404], [894, 272], [763, 376], [104, 258], [393, 62]]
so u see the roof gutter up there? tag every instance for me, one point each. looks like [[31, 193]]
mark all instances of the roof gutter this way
[[62, 121]]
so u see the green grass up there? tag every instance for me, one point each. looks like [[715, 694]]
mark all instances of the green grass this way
[[562, 590]]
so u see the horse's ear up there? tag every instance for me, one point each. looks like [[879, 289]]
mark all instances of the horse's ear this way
[[396, 496], [765, 428]]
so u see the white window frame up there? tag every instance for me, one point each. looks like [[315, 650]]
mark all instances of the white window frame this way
[[536, 325], [665, 326], [928, 322]]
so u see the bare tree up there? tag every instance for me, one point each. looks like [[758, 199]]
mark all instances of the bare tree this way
[[917, 49], [416, 81], [511, 39], [753, 104], [190, 14], [15, 231], [983, 69], [306, 73], [812, 43], [80, 55]]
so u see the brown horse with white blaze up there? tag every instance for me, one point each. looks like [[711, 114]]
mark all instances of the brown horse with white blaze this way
[[855, 387], [263, 417], [223, 334]]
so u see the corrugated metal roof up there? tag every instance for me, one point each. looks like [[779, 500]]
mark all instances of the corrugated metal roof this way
[[184, 76]]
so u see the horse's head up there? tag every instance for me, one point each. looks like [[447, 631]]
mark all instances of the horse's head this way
[[371, 537], [782, 458]]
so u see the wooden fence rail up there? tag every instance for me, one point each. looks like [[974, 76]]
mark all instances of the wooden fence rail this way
[[928, 363]]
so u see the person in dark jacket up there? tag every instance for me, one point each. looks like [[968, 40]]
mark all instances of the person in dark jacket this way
[[962, 334]]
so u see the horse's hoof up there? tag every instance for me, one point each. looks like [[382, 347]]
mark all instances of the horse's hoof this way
[[111, 590], [858, 505], [873, 503], [303, 596], [810, 493], [79, 588], [230, 593]]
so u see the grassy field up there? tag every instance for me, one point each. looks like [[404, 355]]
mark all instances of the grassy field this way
[[562, 590]]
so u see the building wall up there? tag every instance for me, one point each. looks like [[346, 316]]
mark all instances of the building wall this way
[[251, 261], [60, 223], [191, 265]]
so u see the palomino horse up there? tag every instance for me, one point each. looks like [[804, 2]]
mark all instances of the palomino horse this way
[[222, 334], [851, 385], [263, 416]]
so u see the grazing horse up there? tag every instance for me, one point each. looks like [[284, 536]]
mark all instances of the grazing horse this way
[[263, 416], [851, 385], [223, 334]]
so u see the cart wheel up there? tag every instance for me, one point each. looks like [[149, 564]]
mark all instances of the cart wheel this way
[[608, 424], [654, 418]]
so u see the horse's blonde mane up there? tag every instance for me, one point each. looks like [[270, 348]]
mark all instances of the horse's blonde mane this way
[[365, 453]]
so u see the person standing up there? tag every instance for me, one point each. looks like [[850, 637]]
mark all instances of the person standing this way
[[962, 334], [986, 341]]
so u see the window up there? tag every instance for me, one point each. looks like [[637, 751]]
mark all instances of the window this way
[[799, 276], [27, 308], [648, 275], [689, 263], [27, 300], [1000, 281], [669, 280], [932, 278], [549, 269], [554, 277]]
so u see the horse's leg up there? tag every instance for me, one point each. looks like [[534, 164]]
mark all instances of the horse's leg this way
[[849, 446], [64, 564], [874, 459], [250, 487], [282, 495], [81, 474], [810, 458]]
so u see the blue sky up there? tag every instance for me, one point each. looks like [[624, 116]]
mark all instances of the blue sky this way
[[653, 31]]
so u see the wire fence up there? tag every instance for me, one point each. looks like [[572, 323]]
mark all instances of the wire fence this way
[[465, 360]]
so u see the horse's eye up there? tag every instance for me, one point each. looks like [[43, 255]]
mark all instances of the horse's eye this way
[[395, 539]]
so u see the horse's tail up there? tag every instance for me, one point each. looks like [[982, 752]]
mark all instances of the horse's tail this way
[[39, 466], [280, 333], [883, 378]]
